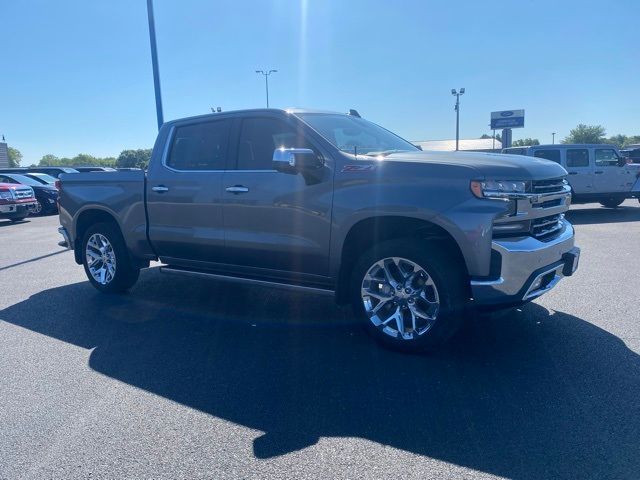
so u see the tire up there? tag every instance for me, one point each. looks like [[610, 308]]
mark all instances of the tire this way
[[612, 203], [38, 209], [17, 219], [113, 269], [437, 270]]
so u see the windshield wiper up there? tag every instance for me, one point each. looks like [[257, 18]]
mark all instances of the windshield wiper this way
[[384, 153]]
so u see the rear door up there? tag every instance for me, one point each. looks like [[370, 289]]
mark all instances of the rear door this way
[[609, 175], [579, 164], [275, 220], [184, 200]]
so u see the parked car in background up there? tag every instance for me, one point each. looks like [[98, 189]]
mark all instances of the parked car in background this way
[[46, 195], [597, 172], [16, 201], [95, 169], [632, 154], [53, 171], [41, 177]]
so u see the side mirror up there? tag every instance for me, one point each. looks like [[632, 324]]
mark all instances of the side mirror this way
[[295, 160]]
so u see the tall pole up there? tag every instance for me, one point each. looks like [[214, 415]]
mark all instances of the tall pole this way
[[553, 138], [154, 62], [457, 120], [457, 109], [266, 74]]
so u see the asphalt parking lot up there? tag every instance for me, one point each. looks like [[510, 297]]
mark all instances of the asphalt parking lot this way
[[184, 378]]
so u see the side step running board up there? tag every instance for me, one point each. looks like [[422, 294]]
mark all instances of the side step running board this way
[[247, 281]]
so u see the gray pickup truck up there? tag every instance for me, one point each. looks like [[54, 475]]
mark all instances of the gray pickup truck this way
[[329, 203]]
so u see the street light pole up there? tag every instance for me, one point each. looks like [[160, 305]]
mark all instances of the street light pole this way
[[553, 138], [457, 108], [154, 63], [266, 81]]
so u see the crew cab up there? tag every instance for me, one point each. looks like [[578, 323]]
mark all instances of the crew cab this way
[[597, 172], [329, 203], [16, 201]]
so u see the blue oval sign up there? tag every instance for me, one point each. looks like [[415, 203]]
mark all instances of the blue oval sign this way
[[506, 114]]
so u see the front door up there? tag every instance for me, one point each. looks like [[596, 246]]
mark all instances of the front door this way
[[609, 175], [580, 167], [275, 220], [184, 194]]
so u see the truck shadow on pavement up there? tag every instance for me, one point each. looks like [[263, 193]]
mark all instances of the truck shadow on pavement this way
[[587, 216], [523, 394]]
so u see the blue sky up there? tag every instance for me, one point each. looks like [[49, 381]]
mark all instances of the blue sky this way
[[76, 75]]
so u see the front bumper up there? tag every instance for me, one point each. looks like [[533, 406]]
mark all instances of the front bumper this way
[[528, 268], [16, 209]]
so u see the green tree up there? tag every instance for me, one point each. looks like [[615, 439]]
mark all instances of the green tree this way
[[525, 142], [617, 140], [632, 140], [134, 158], [586, 134], [15, 157], [49, 160]]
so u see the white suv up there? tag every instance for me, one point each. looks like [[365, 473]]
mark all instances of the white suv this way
[[597, 172]]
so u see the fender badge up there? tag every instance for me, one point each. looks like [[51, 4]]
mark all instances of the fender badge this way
[[358, 168]]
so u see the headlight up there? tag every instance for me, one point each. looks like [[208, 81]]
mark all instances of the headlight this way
[[6, 195], [498, 188]]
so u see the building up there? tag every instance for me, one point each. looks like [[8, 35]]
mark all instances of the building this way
[[4, 155], [472, 145]]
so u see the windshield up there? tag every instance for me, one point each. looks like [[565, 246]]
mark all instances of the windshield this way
[[43, 178], [355, 135], [24, 180]]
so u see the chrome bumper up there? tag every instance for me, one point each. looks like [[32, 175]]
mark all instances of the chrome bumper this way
[[529, 268], [16, 207], [65, 235]]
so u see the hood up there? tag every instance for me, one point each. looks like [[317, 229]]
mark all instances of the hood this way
[[496, 166]]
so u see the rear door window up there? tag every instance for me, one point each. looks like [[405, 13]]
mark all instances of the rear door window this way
[[200, 146], [553, 155], [577, 157]]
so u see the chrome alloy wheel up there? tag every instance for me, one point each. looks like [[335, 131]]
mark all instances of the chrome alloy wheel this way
[[101, 259], [37, 208], [400, 298]]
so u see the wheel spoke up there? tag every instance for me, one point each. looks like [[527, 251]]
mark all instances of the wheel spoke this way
[[419, 313], [387, 272]]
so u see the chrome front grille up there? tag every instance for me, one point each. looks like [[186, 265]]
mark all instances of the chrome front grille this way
[[20, 193], [554, 185], [546, 226]]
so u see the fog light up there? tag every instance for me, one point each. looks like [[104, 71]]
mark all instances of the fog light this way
[[536, 284]]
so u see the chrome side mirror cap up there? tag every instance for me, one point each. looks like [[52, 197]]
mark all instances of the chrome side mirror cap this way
[[295, 159]]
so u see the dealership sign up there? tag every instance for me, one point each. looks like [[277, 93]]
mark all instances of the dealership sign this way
[[507, 119]]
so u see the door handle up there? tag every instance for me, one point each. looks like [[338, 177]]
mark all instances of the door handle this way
[[160, 188], [598, 172], [573, 173], [237, 189]]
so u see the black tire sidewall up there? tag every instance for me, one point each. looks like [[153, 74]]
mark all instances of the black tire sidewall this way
[[611, 203], [126, 274], [448, 276]]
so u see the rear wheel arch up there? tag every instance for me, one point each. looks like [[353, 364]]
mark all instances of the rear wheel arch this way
[[84, 221], [368, 232]]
